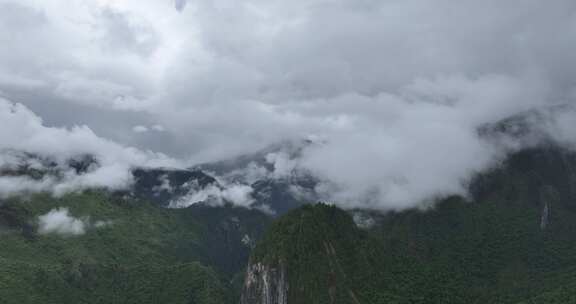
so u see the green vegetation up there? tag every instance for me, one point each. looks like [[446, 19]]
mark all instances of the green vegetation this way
[[143, 254], [100, 283], [562, 295], [317, 245], [513, 242], [460, 252]]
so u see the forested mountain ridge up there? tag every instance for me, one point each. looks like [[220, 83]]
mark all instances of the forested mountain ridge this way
[[512, 241], [97, 247]]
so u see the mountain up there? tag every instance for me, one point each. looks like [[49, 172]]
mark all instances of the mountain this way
[[98, 247], [273, 195], [162, 186], [512, 241], [284, 194], [171, 187], [235, 167], [276, 192]]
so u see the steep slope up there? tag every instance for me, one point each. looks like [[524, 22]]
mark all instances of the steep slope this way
[[128, 251], [306, 255], [283, 195], [513, 241], [23, 283]]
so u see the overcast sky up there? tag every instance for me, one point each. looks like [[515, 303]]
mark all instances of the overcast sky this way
[[394, 89]]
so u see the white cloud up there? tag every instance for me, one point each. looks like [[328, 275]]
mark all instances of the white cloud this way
[[145, 129], [395, 90], [399, 150], [102, 224], [59, 221], [237, 194], [363, 220], [23, 131], [140, 129], [283, 164], [11, 186]]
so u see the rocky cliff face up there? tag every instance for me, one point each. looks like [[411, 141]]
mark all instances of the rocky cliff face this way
[[265, 284], [305, 257]]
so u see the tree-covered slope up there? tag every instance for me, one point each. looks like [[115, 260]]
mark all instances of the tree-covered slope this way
[[128, 251], [514, 241], [315, 248]]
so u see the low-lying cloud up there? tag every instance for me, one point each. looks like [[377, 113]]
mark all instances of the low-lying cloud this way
[[60, 221], [216, 195], [26, 141]]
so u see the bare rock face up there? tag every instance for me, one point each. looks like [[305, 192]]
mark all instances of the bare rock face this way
[[265, 284]]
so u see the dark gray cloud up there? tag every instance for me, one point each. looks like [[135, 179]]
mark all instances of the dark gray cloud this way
[[394, 90], [180, 4]]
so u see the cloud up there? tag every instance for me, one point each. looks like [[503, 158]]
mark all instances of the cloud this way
[[145, 129], [140, 129], [11, 186], [237, 194], [283, 164], [102, 224], [59, 221], [394, 91], [159, 128], [395, 151], [24, 136], [363, 220]]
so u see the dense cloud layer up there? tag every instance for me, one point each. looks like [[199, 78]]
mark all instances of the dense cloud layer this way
[[393, 91], [24, 132]]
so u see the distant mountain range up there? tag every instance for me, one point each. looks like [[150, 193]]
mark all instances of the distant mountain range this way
[[511, 240]]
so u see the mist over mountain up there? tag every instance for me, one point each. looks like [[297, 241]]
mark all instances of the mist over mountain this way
[[283, 152], [274, 179], [395, 92]]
